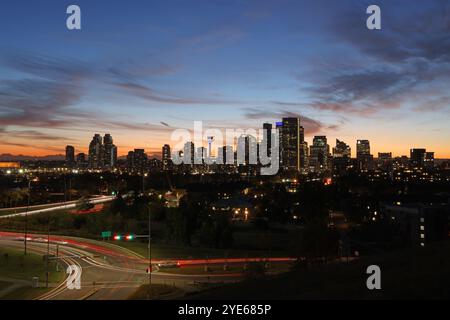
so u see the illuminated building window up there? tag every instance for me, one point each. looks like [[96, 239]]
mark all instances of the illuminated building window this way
[[422, 236], [422, 228]]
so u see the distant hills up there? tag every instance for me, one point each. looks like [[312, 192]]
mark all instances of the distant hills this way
[[20, 157]]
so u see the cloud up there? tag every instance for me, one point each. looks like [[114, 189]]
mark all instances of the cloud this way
[[311, 126], [398, 66]]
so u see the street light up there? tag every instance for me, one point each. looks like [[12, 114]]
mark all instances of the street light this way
[[26, 218], [149, 255]]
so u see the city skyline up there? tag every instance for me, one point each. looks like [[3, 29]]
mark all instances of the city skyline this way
[[142, 73]]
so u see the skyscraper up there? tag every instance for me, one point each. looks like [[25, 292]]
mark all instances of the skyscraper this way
[[110, 152], [417, 157], [292, 138], [363, 156], [362, 148], [139, 160], [96, 152], [429, 160], [189, 153], [318, 159], [266, 141], [341, 158], [70, 155], [81, 159], [341, 150]]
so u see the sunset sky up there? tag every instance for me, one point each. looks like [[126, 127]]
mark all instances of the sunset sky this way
[[141, 69]]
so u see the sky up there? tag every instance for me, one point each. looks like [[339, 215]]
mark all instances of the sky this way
[[140, 69]]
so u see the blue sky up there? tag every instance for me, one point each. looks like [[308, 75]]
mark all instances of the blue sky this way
[[140, 69]]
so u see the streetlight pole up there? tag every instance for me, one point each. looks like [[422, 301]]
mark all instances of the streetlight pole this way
[[48, 252], [149, 255], [149, 240], [26, 218]]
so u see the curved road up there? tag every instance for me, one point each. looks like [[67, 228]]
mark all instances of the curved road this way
[[107, 271]]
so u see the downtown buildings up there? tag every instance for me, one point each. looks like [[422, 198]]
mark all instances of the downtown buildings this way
[[102, 154]]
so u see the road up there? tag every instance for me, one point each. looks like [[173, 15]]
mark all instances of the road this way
[[64, 205], [107, 272]]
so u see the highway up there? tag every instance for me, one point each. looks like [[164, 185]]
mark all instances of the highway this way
[[107, 272], [45, 208]]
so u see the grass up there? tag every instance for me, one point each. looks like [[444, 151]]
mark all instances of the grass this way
[[15, 266], [158, 291], [160, 251], [219, 269], [407, 274]]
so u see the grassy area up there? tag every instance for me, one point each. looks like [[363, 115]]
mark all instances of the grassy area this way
[[15, 266], [160, 251], [219, 269], [158, 291], [408, 274]]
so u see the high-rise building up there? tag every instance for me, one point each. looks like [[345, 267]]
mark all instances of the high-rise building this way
[[292, 138], [96, 152], [110, 152], [166, 157], [189, 153], [341, 158], [247, 151], [319, 151], [70, 155], [429, 160], [225, 154], [363, 156], [362, 148], [130, 160], [137, 160], [200, 155], [266, 141], [341, 150], [140, 160], [417, 157], [81, 158], [385, 160]]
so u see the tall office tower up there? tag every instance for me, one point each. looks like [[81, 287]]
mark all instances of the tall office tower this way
[[166, 157], [70, 155], [266, 139], [130, 161], [247, 150], [385, 160], [189, 153], [417, 157], [363, 156], [110, 152], [96, 152], [226, 155], [318, 159], [81, 158], [429, 160], [291, 139], [362, 148], [341, 158], [341, 150], [279, 128], [139, 160], [200, 155], [304, 157]]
